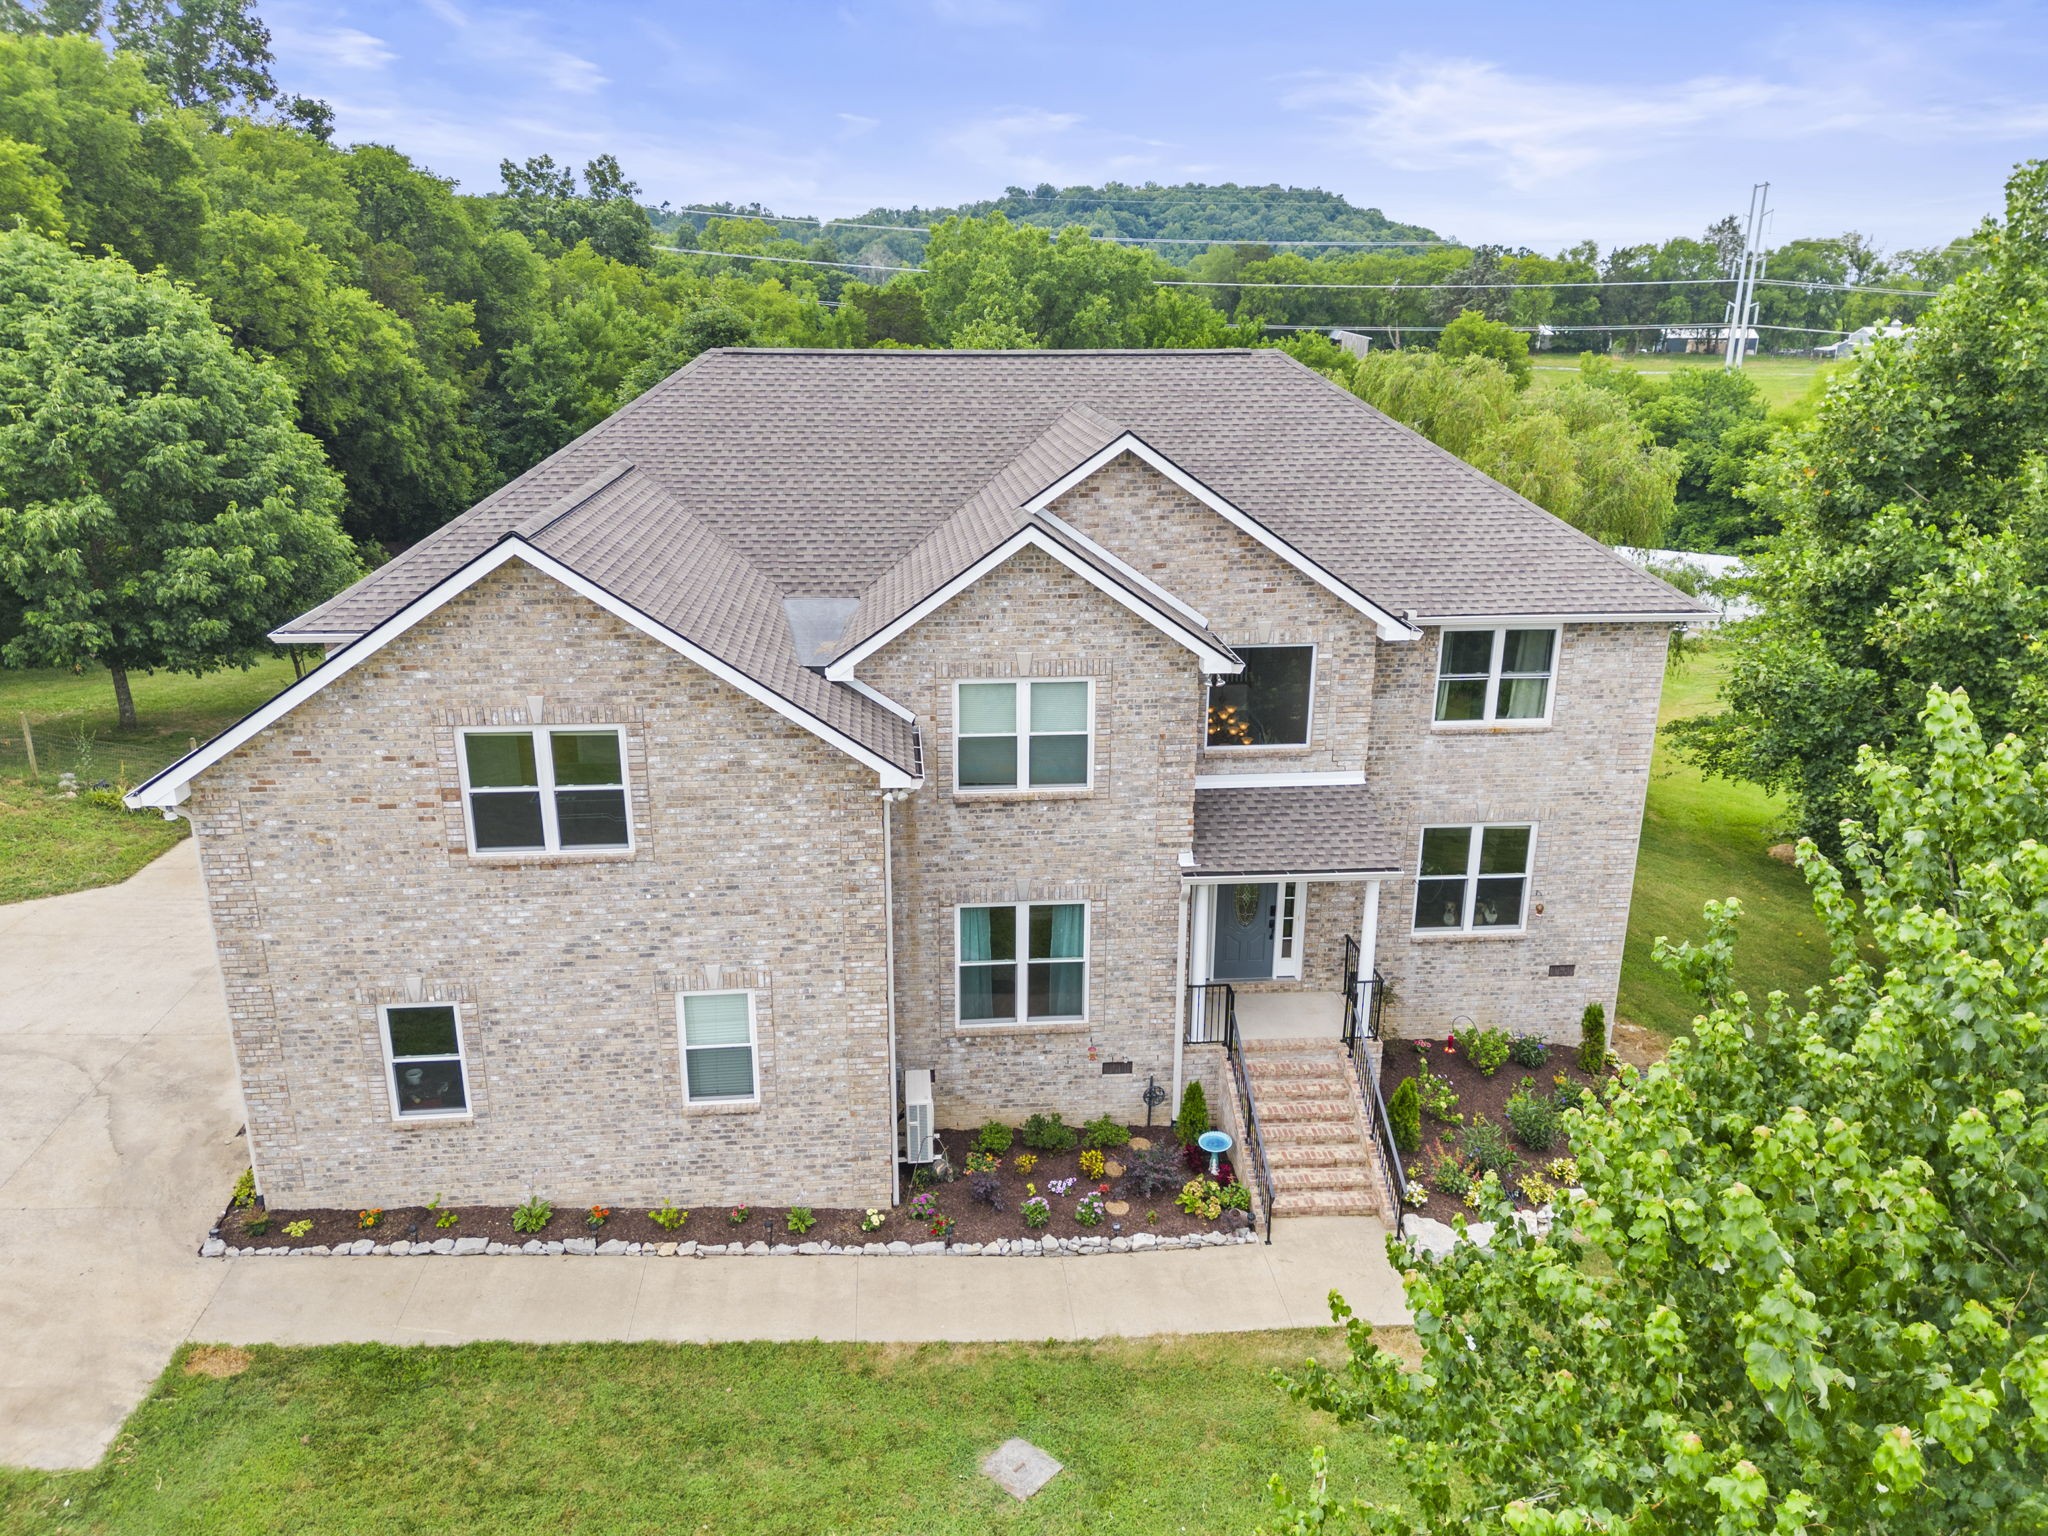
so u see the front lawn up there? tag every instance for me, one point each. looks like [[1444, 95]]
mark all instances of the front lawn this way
[[50, 845], [1157, 1435], [1704, 840]]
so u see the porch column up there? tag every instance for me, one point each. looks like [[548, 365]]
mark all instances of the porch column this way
[[1369, 936]]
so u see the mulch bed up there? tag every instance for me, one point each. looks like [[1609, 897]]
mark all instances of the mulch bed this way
[[1477, 1095], [973, 1222]]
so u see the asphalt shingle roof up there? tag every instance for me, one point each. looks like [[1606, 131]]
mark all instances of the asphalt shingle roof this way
[[1301, 829]]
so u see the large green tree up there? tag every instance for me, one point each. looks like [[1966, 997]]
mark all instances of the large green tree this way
[[1914, 549], [1802, 1290], [159, 506]]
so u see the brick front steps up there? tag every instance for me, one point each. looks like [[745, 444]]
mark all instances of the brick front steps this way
[[1317, 1142]]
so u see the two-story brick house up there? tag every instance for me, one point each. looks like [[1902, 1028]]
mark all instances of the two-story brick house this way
[[826, 715]]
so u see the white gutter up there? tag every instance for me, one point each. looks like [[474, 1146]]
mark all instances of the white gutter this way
[[889, 798], [1180, 992]]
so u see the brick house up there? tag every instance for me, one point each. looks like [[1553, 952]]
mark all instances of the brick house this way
[[1031, 719]]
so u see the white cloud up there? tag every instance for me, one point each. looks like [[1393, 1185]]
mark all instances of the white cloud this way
[[853, 124], [1031, 144], [510, 38], [333, 47]]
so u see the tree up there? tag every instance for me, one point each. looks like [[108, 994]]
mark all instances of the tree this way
[[1801, 1290], [1914, 549], [714, 325], [210, 54], [1715, 420], [159, 507]]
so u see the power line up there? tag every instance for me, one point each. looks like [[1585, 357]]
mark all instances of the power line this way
[[925, 229], [1562, 328]]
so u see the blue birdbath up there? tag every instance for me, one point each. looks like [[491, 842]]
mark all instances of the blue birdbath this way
[[1215, 1143]]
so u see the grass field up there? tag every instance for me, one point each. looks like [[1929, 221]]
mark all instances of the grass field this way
[[1704, 840], [1156, 1436], [49, 845], [1782, 379]]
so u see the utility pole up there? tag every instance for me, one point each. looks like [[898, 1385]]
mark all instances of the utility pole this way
[[1742, 309]]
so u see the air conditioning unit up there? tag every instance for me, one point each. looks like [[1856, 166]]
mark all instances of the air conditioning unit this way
[[917, 1115]]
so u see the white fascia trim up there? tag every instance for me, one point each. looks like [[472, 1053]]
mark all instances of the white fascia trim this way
[[314, 637], [166, 788], [1540, 620], [1124, 567], [1273, 876], [1390, 627], [881, 698], [1278, 780], [1213, 660]]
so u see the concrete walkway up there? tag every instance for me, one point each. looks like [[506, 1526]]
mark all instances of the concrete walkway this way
[[121, 1139]]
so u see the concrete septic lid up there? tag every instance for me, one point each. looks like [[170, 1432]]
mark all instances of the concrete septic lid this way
[[1019, 1468]]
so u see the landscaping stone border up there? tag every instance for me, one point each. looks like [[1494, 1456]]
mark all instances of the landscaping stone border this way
[[467, 1247]]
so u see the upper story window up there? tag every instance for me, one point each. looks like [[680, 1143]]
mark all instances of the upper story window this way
[[544, 790], [423, 1061], [1487, 676], [718, 1047], [1473, 878], [1035, 734], [1023, 963], [1268, 703]]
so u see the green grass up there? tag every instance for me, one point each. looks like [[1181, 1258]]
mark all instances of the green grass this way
[[1703, 840], [1156, 1435], [49, 845], [1783, 380]]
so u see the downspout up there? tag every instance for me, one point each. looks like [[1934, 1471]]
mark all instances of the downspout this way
[[889, 798], [1180, 989]]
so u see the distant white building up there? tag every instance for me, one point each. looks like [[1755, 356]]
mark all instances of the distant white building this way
[[1715, 568], [1862, 337], [1702, 338], [1357, 343]]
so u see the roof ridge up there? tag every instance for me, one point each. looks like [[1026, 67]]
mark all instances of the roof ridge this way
[[534, 524]]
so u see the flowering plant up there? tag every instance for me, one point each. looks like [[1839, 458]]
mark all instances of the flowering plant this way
[[982, 1162], [1091, 1163], [923, 1207], [872, 1220], [597, 1217], [1200, 1197], [1059, 1186], [1025, 1162], [1089, 1211], [1036, 1212], [739, 1215], [365, 1220], [940, 1226]]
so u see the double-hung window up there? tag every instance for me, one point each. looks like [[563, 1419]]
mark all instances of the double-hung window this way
[[1267, 704], [545, 790], [1024, 963], [1035, 734], [423, 1061], [1488, 676], [718, 1047], [1472, 879]]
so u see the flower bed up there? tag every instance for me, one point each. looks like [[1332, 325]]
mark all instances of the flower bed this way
[[1472, 1119], [1080, 1199]]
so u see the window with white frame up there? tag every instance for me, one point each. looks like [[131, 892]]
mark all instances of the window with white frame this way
[[1034, 734], [1268, 703], [423, 1061], [718, 1046], [1025, 962], [1472, 879], [545, 790], [1490, 676]]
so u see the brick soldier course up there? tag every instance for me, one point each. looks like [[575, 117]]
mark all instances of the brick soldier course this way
[[775, 621]]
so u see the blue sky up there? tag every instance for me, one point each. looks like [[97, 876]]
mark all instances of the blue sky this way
[[1497, 120]]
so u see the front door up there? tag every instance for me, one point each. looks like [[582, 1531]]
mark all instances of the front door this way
[[1246, 916]]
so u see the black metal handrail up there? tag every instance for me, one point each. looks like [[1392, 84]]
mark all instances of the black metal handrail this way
[[1212, 1020], [1362, 1004], [1358, 1042], [1248, 1114], [1212, 1012]]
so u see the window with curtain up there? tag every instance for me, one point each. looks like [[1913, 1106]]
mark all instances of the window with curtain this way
[[543, 790], [1491, 676], [1023, 735], [718, 1046], [1471, 879], [424, 1063], [1267, 704], [1023, 962]]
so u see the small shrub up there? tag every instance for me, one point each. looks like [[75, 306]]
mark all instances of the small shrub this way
[[1528, 1051], [1092, 1163], [994, 1137], [297, 1228], [1200, 1197], [740, 1215], [1486, 1049], [256, 1223], [369, 1220], [1537, 1190], [1448, 1174], [1024, 1162], [986, 1189], [533, 1216], [873, 1220], [1532, 1117], [983, 1162], [801, 1220], [443, 1219], [1036, 1212], [1439, 1098], [1566, 1094], [940, 1226], [1593, 1040], [667, 1217], [597, 1216], [1404, 1116], [1416, 1196], [1155, 1171], [245, 1190], [922, 1177], [923, 1207], [1105, 1134], [1485, 1147], [1049, 1133], [1565, 1170], [1089, 1212], [1193, 1118], [1234, 1197]]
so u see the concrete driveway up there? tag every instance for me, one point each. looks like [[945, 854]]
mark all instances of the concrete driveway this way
[[120, 1138], [118, 1142]]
